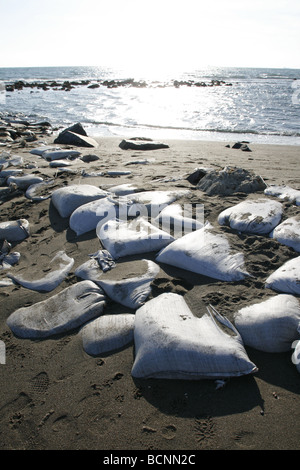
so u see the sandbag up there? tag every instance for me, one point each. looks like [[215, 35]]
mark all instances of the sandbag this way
[[69, 309], [94, 214], [9, 259], [14, 230], [40, 191], [155, 201], [288, 233], [173, 216], [284, 192], [124, 238], [129, 283], [68, 198], [61, 265], [51, 155], [23, 182], [123, 189], [286, 278], [296, 353], [258, 216], [107, 333], [270, 325], [205, 252], [170, 342]]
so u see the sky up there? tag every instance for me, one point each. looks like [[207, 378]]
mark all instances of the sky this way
[[150, 34]]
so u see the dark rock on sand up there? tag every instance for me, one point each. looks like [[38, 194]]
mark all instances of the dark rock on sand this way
[[75, 135], [142, 144], [231, 180]]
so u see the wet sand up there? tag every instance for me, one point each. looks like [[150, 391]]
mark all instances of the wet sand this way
[[56, 397]]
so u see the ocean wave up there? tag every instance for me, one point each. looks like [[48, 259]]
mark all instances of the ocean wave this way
[[194, 129]]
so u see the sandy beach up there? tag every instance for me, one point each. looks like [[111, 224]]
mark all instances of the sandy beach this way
[[54, 396]]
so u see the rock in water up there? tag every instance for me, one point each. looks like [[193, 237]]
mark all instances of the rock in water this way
[[288, 233], [61, 266], [170, 342], [229, 181], [15, 230], [124, 238], [68, 198], [286, 278], [271, 325], [68, 309], [107, 333], [258, 216], [205, 252]]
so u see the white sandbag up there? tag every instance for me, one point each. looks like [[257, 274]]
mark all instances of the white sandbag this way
[[130, 289], [118, 173], [23, 182], [129, 284], [68, 198], [7, 173], [205, 252], [296, 353], [288, 233], [258, 216], [59, 163], [170, 342], [9, 259], [175, 217], [123, 189], [40, 191], [61, 265], [286, 278], [94, 214], [284, 192], [14, 230], [5, 282], [124, 238], [270, 325], [69, 309], [60, 154], [107, 333], [41, 150], [155, 201]]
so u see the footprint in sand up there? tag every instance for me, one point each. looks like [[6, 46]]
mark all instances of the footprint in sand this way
[[39, 383], [169, 432], [204, 429]]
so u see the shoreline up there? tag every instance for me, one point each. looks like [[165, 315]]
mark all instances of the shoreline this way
[[54, 396]]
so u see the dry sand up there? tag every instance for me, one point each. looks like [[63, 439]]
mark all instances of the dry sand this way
[[56, 397]]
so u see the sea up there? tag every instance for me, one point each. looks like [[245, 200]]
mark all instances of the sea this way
[[213, 103]]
